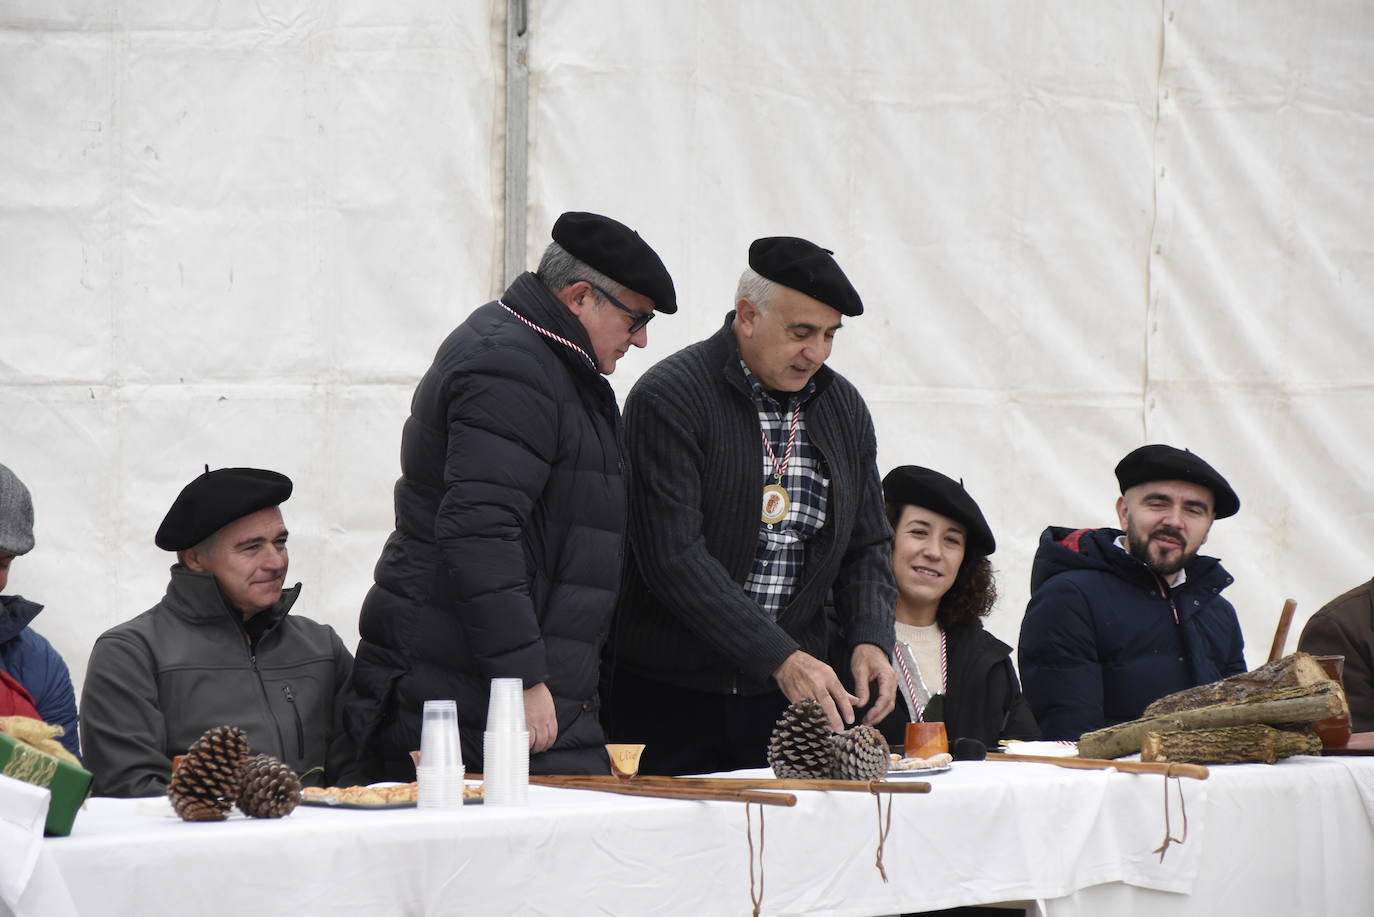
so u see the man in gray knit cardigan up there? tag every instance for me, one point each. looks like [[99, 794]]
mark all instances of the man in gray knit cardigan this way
[[754, 496]]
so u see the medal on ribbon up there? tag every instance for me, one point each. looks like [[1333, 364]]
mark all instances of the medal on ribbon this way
[[776, 503], [776, 500]]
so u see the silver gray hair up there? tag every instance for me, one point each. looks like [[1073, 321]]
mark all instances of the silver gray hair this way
[[559, 269], [206, 546], [756, 288]]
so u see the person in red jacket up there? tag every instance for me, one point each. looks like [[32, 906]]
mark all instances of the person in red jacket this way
[[34, 680]]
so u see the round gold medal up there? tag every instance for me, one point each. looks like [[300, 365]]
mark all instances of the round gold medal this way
[[776, 503]]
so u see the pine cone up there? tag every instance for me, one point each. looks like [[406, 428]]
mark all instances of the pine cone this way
[[800, 745], [207, 782], [860, 753], [269, 789]]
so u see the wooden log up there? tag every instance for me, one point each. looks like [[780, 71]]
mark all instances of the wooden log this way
[[1294, 670], [1228, 745], [1125, 738]]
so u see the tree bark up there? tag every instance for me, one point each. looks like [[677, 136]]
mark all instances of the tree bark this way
[[1228, 745], [1293, 670], [1320, 700]]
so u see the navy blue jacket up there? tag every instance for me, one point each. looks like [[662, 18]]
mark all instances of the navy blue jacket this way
[[37, 666], [1103, 636]]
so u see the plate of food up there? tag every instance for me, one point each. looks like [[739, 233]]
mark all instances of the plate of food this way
[[376, 796], [372, 796], [899, 766]]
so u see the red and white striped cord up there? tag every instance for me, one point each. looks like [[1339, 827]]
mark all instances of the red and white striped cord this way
[[910, 680], [780, 468], [549, 334]]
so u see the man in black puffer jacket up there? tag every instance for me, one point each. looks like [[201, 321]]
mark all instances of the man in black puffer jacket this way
[[510, 510]]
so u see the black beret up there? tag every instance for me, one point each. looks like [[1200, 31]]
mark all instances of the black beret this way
[[214, 500], [806, 267], [1165, 463], [912, 485], [617, 251]]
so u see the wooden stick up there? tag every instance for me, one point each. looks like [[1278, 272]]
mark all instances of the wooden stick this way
[[839, 786], [1196, 771], [666, 792], [1281, 633], [755, 783]]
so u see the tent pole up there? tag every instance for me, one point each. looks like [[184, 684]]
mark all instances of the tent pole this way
[[517, 134]]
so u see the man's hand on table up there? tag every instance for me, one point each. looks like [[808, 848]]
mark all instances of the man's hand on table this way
[[872, 669]]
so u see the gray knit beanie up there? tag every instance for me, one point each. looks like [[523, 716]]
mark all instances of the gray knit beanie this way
[[16, 515]]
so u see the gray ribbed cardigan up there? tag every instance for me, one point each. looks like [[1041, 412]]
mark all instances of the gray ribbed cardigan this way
[[692, 437]]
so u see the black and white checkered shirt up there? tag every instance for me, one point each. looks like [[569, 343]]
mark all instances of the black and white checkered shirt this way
[[781, 548]]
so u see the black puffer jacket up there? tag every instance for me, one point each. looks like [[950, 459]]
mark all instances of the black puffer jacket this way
[[510, 521]]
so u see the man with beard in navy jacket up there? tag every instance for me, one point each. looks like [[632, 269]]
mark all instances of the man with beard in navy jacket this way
[[1118, 618]]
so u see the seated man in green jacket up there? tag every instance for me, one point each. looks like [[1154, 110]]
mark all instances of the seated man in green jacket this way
[[220, 649]]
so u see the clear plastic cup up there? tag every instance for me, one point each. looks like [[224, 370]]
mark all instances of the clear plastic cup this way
[[439, 745], [506, 708], [439, 787], [439, 771], [506, 768]]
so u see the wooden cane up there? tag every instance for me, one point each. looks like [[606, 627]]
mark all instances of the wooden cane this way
[[744, 783], [1195, 771], [664, 792], [1281, 633]]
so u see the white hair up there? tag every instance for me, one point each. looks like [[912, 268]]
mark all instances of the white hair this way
[[756, 288]]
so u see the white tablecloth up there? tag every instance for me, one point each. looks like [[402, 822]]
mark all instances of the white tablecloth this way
[[1294, 838], [23, 811]]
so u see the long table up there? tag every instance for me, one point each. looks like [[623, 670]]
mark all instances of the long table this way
[[1291, 838]]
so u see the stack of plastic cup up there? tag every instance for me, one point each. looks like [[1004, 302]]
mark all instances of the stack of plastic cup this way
[[506, 746], [440, 771]]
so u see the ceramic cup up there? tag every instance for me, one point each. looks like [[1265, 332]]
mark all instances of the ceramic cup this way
[[924, 740]]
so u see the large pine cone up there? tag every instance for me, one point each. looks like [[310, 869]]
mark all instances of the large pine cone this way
[[800, 745], [861, 753], [207, 782], [269, 789]]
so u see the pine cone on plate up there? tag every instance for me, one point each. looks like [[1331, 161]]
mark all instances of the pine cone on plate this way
[[800, 745], [860, 753], [269, 788], [207, 782]]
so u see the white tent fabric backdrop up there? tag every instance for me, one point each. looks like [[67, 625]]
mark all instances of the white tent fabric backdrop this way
[[235, 234]]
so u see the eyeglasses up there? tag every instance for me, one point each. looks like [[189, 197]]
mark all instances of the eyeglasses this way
[[640, 318]]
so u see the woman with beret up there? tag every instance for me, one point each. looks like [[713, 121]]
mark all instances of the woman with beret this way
[[948, 667]]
